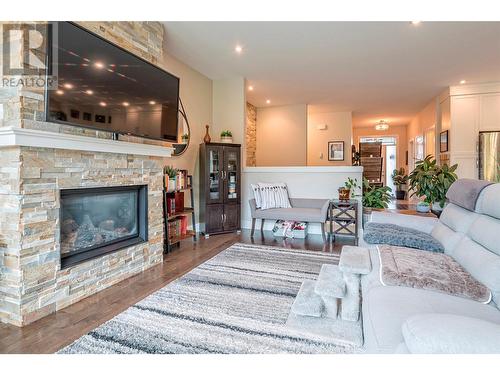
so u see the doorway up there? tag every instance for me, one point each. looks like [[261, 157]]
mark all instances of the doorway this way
[[389, 153]]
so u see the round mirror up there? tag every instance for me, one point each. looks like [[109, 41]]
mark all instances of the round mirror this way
[[183, 132]]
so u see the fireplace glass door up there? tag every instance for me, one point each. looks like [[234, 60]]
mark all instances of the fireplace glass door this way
[[96, 221]]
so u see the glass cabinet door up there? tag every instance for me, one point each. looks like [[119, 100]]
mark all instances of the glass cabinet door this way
[[231, 174], [214, 174]]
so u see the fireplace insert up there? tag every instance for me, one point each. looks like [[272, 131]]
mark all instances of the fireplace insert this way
[[97, 221]]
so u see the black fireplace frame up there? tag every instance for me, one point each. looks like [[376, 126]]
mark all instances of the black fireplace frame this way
[[83, 255]]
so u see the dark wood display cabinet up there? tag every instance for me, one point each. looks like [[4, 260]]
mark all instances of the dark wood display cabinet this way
[[220, 187]]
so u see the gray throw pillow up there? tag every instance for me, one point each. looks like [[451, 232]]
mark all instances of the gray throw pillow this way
[[391, 234]]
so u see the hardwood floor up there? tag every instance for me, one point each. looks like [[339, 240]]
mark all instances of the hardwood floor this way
[[55, 331]]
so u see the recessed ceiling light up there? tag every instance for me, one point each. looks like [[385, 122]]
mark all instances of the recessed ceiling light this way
[[250, 88], [60, 92], [268, 101], [416, 22], [463, 81], [68, 86], [126, 104], [89, 92], [152, 102], [103, 104], [238, 48], [99, 65]]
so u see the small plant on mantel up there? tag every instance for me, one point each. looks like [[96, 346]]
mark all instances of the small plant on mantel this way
[[171, 181], [226, 136]]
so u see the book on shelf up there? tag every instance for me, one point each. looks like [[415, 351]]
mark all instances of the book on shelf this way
[[182, 179]]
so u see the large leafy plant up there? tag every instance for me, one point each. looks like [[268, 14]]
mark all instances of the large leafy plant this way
[[399, 177], [432, 181], [375, 197]]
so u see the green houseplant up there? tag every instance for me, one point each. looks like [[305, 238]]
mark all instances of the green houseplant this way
[[431, 182], [170, 178], [399, 178], [226, 136], [185, 138], [349, 189], [374, 197]]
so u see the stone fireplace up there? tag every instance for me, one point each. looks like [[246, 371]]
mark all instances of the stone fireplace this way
[[79, 211]]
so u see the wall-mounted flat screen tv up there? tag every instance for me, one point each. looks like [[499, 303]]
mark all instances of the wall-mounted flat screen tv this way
[[104, 87]]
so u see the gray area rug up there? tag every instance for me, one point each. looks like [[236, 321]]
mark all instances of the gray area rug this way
[[237, 302]]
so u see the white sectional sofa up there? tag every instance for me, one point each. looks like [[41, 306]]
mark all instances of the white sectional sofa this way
[[472, 238]]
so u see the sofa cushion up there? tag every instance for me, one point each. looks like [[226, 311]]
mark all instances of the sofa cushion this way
[[481, 263], [402, 266], [488, 202], [450, 334], [485, 231], [313, 215], [391, 234], [386, 308], [447, 237], [457, 218]]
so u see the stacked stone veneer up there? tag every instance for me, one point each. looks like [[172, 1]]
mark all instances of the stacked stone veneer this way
[[32, 284], [251, 135]]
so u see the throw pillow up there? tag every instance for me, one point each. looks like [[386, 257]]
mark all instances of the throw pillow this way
[[391, 234], [256, 195], [274, 195]]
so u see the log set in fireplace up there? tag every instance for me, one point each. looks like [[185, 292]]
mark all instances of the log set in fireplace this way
[[97, 221]]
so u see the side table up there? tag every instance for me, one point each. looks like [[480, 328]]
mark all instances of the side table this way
[[344, 214]]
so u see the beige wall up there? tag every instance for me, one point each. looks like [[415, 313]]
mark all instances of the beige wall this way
[[338, 128], [229, 108], [282, 135], [394, 131], [422, 123], [196, 95]]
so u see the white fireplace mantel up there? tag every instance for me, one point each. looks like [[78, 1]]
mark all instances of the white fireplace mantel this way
[[13, 136]]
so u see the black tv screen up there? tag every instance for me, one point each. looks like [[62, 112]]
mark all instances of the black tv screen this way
[[104, 87]]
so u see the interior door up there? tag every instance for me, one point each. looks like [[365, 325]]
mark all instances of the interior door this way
[[231, 216], [231, 174], [214, 160]]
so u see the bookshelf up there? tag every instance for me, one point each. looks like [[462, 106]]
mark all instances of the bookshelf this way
[[176, 216]]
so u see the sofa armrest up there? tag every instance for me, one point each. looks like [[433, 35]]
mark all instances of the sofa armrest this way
[[422, 223]]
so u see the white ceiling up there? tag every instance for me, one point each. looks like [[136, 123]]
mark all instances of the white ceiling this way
[[377, 70]]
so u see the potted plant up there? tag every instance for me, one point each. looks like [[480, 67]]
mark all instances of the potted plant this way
[[374, 197], [170, 178], [399, 178], [185, 138], [431, 182], [226, 136], [349, 189]]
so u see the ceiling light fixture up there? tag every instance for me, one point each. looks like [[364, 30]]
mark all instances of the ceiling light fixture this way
[[382, 125], [250, 88], [152, 102], [103, 104], [415, 23], [89, 92], [238, 48], [99, 65], [463, 81], [268, 101]]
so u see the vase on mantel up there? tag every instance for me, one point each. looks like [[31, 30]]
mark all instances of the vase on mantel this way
[[207, 138]]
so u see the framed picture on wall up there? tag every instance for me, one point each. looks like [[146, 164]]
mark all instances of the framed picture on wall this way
[[336, 151], [443, 141]]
